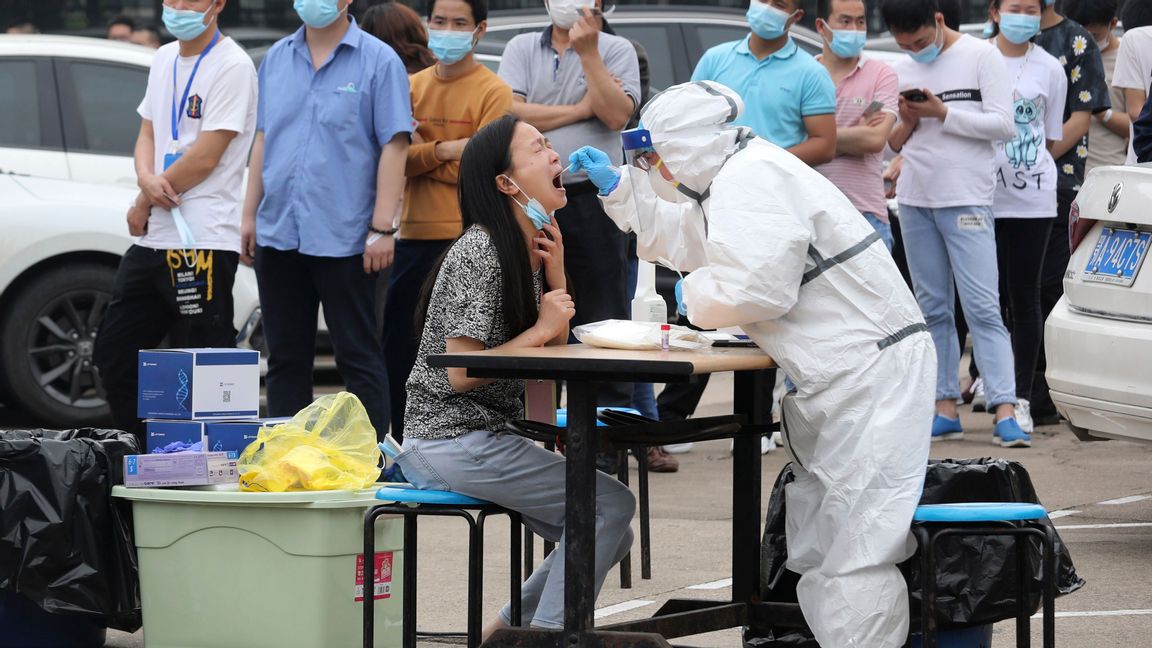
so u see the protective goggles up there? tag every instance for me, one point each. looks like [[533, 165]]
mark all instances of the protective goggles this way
[[637, 145]]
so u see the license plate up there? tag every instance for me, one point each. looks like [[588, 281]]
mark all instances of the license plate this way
[[1117, 256]]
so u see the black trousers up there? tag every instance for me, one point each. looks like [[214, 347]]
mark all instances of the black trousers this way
[[596, 259], [414, 263], [1021, 244], [157, 294], [1056, 258], [293, 286]]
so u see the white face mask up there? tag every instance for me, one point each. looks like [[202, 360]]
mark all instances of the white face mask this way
[[665, 190], [566, 13]]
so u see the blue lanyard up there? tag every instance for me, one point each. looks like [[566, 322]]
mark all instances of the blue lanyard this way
[[178, 111]]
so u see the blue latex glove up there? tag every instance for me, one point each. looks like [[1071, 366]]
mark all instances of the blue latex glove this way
[[680, 308], [598, 166]]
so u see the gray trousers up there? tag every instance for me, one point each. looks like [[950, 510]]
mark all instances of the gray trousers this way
[[517, 474]]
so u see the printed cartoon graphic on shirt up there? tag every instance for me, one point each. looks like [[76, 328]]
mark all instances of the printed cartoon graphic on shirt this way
[[1025, 147]]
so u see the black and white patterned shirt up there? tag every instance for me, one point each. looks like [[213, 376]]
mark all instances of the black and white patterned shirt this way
[[467, 301], [1077, 51]]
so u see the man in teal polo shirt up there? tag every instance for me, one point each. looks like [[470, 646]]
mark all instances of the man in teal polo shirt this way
[[790, 99]]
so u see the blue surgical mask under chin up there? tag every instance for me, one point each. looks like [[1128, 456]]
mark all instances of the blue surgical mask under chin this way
[[929, 53], [317, 14], [847, 43], [450, 46], [1019, 28], [767, 21], [184, 24], [532, 209]]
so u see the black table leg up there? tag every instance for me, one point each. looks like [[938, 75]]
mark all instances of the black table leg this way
[[580, 516], [748, 399]]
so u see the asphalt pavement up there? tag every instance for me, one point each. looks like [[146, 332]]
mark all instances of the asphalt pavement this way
[[1101, 494]]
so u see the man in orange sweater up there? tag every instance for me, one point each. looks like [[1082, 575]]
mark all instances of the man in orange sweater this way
[[450, 101]]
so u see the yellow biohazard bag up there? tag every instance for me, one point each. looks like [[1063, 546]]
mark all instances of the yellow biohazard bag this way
[[329, 445]]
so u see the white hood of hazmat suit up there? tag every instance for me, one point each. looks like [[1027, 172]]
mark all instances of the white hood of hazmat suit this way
[[777, 250]]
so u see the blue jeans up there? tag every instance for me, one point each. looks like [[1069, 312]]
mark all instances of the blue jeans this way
[[958, 244], [880, 226]]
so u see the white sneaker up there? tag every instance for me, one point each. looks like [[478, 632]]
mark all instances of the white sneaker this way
[[777, 438], [1024, 415], [979, 404], [767, 444], [678, 448]]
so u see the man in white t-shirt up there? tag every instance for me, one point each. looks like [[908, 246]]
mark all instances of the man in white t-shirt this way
[[198, 120], [956, 103], [1133, 73]]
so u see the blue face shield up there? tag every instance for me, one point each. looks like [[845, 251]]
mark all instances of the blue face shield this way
[[637, 142]]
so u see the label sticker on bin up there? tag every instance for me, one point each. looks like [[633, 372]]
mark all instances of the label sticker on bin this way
[[382, 577]]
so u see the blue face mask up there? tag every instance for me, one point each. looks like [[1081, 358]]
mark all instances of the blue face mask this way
[[929, 53], [185, 24], [989, 30], [1019, 28], [766, 21], [847, 43], [532, 209], [450, 46], [1049, 3], [317, 14]]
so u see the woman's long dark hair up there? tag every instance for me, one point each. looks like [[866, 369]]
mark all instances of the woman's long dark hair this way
[[400, 27], [488, 155]]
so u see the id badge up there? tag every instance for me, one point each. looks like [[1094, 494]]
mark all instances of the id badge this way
[[170, 159], [174, 153]]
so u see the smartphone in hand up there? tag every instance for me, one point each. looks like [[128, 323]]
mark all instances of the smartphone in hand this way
[[873, 108], [915, 94]]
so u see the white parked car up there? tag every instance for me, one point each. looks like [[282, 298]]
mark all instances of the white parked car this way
[[1098, 339], [68, 127]]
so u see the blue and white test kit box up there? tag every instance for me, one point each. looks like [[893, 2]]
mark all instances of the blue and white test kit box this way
[[185, 384], [234, 436], [161, 433]]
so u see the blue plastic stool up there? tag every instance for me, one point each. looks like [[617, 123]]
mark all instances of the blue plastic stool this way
[[934, 521], [411, 503]]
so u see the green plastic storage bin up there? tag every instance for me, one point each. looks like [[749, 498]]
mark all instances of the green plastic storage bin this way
[[226, 569]]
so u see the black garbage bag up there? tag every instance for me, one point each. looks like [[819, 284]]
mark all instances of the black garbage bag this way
[[976, 577], [65, 544]]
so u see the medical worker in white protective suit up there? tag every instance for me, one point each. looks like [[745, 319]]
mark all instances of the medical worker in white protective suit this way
[[777, 250]]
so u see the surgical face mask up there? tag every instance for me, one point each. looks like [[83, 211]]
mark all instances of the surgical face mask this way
[[566, 13], [317, 14], [1049, 3], [1019, 28], [1104, 44], [989, 30], [664, 189], [767, 21], [929, 53], [847, 43], [532, 209], [185, 24], [450, 46]]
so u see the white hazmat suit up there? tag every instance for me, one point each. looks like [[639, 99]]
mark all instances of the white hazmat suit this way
[[775, 249]]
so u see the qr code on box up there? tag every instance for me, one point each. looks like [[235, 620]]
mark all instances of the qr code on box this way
[[227, 395]]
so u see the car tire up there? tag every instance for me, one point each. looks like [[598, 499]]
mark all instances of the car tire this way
[[47, 335]]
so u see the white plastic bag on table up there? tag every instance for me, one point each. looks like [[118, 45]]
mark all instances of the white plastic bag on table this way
[[639, 336]]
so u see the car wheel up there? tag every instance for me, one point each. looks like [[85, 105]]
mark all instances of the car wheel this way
[[46, 341]]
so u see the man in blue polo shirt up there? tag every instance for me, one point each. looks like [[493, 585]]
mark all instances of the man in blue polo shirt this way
[[790, 99], [327, 175]]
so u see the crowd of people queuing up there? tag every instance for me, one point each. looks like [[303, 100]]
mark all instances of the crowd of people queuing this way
[[356, 135]]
